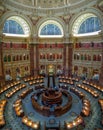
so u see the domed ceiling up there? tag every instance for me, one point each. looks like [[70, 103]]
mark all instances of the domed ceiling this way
[[47, 3], [45, 7]]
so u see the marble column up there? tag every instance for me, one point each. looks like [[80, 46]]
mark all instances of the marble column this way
[[68, 50], [1, 59], [101, 72], [70, 53], [1, 63], [34, 62], [33, 2], [64, 58], [67, 55], [36, 2], [34, 55], [31, 59], [37, 59]]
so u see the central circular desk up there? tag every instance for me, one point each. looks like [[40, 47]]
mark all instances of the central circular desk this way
[[51, 97], [50, 102]]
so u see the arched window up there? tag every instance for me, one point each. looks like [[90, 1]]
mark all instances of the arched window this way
[[86, 24], [91, 24], [16, 26], [51, 29], [12, 27]]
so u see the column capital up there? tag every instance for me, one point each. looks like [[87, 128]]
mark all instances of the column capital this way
[[101, 34], [1, 37], [68, 37], [34, 38]]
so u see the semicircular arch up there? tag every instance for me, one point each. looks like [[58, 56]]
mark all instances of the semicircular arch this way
[[77, 20], [55, 21], [22, 20]]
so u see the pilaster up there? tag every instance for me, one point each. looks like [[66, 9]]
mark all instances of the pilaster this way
[[34, 53]]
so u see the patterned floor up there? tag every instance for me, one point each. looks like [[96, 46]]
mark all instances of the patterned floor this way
[[14, 123]]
